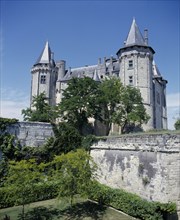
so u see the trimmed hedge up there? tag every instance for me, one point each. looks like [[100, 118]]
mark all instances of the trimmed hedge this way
[[130, 203], [40, 192]]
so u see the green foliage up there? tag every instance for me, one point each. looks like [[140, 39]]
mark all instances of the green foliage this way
[[40, 191], [5, 122], [108, 102], [10, 147], [79, 103], [74, 173], [66, 138], [130, 203], [130, 113], [88, 141], [41, 111], [109, 97], [8, 143], [177, 124], [21, 178]]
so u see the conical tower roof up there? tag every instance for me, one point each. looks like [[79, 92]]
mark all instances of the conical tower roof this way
[[45, 56], [135, 37]]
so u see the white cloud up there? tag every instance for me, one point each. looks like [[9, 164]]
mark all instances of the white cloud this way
[[12, 102], [173, 109], [173, 100]]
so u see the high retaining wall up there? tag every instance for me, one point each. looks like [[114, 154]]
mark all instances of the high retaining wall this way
[[31, 134], [147, 165]]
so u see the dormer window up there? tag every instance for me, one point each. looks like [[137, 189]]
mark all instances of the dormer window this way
[[130, 64], [43, 78]]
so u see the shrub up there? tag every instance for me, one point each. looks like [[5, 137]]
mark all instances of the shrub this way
[[177, 124], [130, 203], [40, 192]]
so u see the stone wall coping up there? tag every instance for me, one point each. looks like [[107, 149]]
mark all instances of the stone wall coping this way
[[141, 142]]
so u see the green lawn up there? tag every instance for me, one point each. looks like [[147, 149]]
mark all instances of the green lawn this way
[[56, 209]]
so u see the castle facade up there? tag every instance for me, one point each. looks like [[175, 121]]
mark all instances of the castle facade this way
[[134, 65]]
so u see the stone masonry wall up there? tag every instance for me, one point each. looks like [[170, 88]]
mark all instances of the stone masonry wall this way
[[147, 165], [31, 134]]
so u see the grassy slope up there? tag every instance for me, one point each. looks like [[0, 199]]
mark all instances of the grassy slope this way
[[85, 210]]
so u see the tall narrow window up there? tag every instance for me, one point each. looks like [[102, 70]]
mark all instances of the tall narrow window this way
[[130, 64], [43, 79], [130, 80]]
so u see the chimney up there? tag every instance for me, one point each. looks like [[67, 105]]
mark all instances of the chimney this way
[[146, 36]]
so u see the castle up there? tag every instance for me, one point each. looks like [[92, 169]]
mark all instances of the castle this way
[[134, 65]]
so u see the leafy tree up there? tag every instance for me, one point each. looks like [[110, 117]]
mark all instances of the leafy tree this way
[[41, 111], [66, 138], [79, 103], [131, 111], [109, 97], [177, 124], [21, 177], [108, 102], [74, 173]]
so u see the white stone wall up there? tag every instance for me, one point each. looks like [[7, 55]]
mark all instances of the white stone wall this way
[[147, 165], [31, 134], [35, 84]]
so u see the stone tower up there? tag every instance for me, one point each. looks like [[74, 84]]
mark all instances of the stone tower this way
[[134, 65], [136, 59], [44, 76]]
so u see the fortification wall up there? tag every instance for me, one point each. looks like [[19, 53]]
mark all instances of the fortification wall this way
[[147, 165], [31, 134]]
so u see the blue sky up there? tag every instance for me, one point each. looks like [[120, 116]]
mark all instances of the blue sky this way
[[80, 32]]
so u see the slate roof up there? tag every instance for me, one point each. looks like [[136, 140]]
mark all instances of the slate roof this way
[[135, 37], [156, 74], [156, 71], [45, 56], [80, 72]]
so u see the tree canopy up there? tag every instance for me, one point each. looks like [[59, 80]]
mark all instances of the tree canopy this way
[[40, 110], [74, 173], [79, 103], [84, 99], [130, 112], [21, 178], [107, 102]]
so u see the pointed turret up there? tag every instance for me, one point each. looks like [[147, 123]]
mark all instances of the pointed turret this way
[[135, 37], [44, 74], [45, 56]]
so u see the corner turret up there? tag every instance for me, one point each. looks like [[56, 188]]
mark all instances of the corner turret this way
[[44, 74], [136, 68]]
